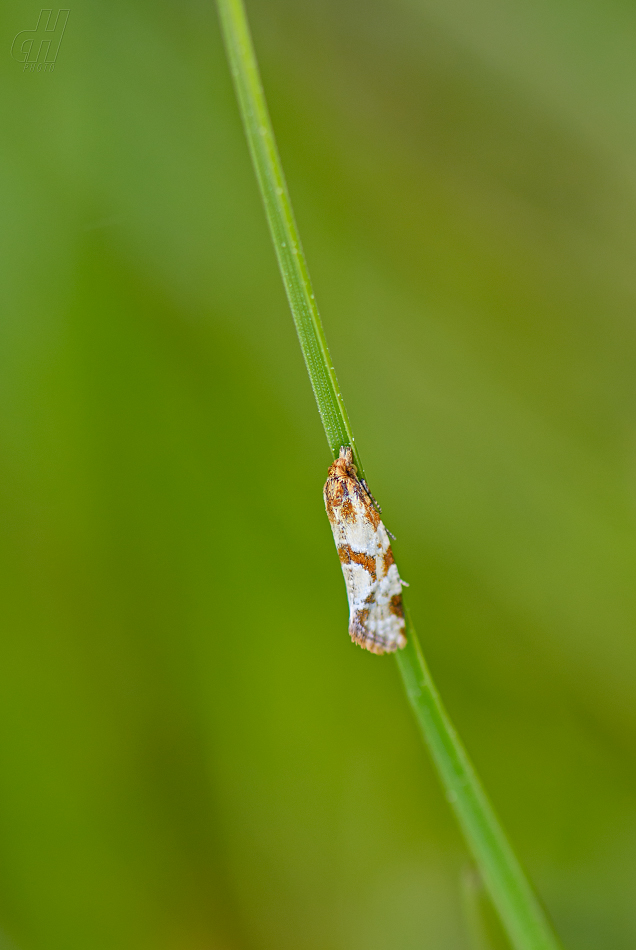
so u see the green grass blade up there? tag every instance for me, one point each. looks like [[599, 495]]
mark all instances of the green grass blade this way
[[280, 216], [483, 925], [521, 914]]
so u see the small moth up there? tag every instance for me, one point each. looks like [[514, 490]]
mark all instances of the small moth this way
[[374, 588]]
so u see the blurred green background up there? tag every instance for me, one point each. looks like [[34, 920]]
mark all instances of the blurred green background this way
[[193, 756]]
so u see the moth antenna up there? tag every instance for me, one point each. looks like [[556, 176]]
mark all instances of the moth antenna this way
[[373, 501]]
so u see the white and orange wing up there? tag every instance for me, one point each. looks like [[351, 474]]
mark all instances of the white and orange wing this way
[[374, 588]]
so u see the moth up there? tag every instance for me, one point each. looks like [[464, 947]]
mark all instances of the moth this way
[[374, 587]]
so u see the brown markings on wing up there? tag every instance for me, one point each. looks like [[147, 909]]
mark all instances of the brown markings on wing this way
[[342, 484], [361, 635], [334, 493], [347, 511], [396, 606], [387, 560], [370, 511], [348, 556]]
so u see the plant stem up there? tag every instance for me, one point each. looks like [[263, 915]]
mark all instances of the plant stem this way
[[291, 259], [520, 912]]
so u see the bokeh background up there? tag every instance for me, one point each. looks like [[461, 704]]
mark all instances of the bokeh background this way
[[193, 756]]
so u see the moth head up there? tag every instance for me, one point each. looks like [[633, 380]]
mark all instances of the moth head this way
[[343, 467]]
